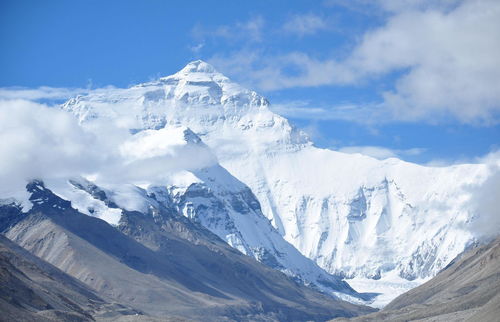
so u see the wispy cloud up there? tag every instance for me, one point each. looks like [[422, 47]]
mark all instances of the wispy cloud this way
[[40, 93], [305, 24], [485, 198], [444, 76], [367, 113], [377, 7], [443, 58], [196, 48], [250, 30], [269, 72], [381, 153], [44, 142]]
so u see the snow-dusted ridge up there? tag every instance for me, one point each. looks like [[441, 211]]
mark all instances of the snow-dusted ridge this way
[[352, 214], [209, 195]]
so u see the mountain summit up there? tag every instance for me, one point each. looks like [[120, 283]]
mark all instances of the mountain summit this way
[[198, 66], [199, 101], [384, 222]]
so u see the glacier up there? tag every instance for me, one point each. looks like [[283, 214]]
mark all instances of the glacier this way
[[270, 188]]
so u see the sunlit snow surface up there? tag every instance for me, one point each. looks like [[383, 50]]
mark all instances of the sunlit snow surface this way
[[351, 214], [389, 287]]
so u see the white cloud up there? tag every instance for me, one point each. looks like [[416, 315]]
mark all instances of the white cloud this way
[[377, 7], [405, 5], [381, 153], [490, 159], [38, 141], [444, 57], [451, 61], [196, 48], [40, 93], [250, 30], [347, 112], [42, 142], [485, 198], [270, 72], [305, 24], [151, 155]]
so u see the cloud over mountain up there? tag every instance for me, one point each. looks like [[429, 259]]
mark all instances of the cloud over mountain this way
[[441, 59]]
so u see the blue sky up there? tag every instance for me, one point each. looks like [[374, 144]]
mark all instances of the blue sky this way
[[414, 79]]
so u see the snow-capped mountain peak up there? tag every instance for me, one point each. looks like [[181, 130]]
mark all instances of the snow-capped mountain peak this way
[[198, 66], [197, 97], [352, 214], [200, 83]]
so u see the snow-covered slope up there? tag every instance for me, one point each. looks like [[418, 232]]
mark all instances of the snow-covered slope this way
[[208, 195], [352, 214], [157, 263]]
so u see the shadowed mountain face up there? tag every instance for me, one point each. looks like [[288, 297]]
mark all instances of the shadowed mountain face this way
[[34, 290], [466, 290], [162, 264]]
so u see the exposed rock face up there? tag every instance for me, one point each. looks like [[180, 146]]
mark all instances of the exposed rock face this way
[[163, 265], [352, 214], [34, 290], [467, 290], [225, 161], [209, 196]]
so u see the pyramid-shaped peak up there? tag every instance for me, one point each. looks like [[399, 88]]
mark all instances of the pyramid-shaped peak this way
[[198, 66]]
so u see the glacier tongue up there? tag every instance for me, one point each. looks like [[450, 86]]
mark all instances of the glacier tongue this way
[[352, 214]]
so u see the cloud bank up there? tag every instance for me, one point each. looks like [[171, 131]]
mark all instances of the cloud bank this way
[[37, 142], [441, 57], [42, 142], [484, 201]]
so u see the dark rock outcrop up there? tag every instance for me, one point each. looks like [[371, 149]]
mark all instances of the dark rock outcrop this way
[[164, 265]]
